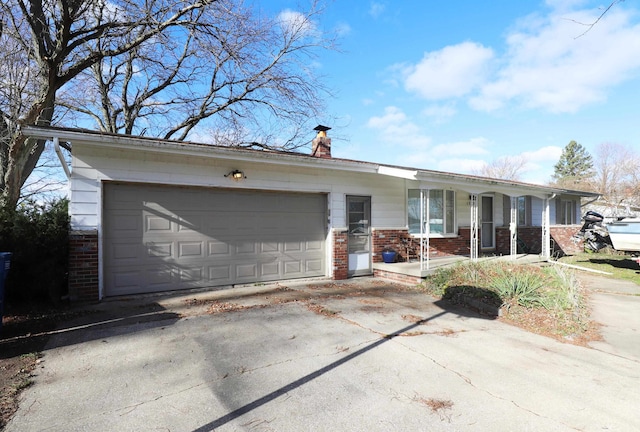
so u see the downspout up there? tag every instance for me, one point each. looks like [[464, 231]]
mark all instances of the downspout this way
[[56, 146], [546, 230]]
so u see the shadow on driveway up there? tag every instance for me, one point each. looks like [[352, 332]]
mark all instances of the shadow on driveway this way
[[80, 325], [346, 290]]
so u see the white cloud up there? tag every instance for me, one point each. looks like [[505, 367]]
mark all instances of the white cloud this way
[[376, 9], [544, 154], [452, 157], [292, 21], [460, 165], [397, 129], [552, 65], [549, 62], [440, 113], [450, 72], [474, 146], [343, 29]]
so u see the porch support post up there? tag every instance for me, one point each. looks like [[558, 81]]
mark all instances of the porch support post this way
[[424, 229], [513, 227], [473, 247], [546, 236]]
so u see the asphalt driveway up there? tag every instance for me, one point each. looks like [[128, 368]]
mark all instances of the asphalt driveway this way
[[360, 355]]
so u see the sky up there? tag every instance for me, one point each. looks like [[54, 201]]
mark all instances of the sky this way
[[453, 85]]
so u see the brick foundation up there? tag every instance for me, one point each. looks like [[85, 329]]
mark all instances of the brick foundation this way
[[408, 247], [83, 266], [530, 240], [340, 256], [561, 243], [397, 277]]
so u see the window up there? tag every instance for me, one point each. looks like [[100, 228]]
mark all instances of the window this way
[[524, 211], [567, 212], [441, 214]]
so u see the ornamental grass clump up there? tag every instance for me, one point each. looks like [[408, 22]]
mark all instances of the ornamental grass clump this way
[[519, 285], [515, 284], [544, 299]]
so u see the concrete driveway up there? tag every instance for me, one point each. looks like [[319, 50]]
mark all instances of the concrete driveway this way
[[616, 306], [361, 355]]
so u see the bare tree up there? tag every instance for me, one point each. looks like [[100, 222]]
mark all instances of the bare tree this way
[[616, 176], [506, 168], [154, 67], [592, 24]]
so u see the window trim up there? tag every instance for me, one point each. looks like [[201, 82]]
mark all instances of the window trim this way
[[445, 221], [567, 207]]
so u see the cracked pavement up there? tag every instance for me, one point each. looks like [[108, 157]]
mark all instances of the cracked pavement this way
[[360, 355]]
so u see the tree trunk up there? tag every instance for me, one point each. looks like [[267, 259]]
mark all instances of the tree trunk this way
[[20, 156]]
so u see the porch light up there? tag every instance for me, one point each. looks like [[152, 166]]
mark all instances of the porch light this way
[[236, 175]]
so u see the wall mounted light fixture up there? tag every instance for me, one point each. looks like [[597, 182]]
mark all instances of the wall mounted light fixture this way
[[236, 175]]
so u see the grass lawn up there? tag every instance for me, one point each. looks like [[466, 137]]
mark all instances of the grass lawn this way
[[620, 266]]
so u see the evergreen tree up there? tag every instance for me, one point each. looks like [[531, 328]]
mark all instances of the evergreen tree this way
[[575, 165]]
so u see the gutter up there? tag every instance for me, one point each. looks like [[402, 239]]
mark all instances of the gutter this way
[[196, 149], [63, 162]]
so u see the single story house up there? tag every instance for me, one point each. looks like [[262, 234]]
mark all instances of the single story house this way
[[151, 215]]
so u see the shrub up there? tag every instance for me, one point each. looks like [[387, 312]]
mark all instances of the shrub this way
[[38, 236]]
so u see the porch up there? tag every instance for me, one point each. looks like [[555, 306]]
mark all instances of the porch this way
[[411, 272]]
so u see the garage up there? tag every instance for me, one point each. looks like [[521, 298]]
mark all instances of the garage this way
[[158, 238]]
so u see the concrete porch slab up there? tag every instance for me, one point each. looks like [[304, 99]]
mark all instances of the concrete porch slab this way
[[413, 268]]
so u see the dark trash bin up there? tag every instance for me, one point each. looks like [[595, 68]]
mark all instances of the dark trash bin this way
[[5, 265]]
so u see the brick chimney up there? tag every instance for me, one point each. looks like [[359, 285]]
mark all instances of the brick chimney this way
[[321, 145]]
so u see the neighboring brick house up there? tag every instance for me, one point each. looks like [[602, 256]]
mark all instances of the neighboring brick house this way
[[150, 215]]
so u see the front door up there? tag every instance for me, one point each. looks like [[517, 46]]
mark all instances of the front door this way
[[359, 240], [487, 233]]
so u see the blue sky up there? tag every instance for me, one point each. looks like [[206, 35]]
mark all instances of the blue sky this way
[[452, 85]]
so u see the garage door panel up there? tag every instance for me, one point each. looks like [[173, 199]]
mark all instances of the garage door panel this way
[[218, 248], [157, 224], [220, 275], [292, 268], [192, 274], [190, 223], [269, 247], [166, 238], [191, 249], [270, 222], [270, 269], [313, 265], [246, 271], [314, 246], [292, 246], [124, 281], [245, 248], [159, 250], [159, 279], [124, 251]]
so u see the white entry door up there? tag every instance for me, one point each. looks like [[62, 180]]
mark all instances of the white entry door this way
[[487, 233], [359, 240]]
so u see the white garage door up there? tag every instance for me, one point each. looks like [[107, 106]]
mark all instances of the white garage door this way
[[159, 238]]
